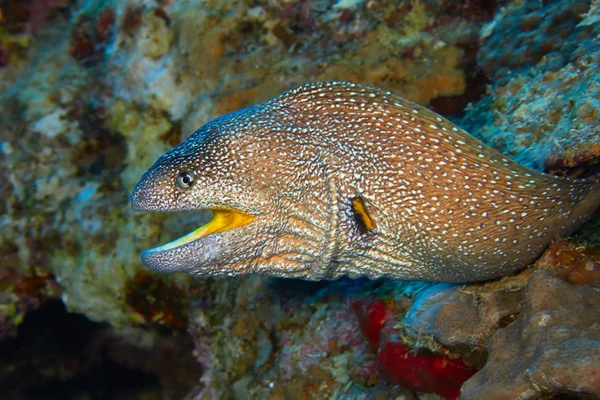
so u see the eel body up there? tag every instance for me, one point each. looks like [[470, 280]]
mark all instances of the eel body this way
[[333, 179]]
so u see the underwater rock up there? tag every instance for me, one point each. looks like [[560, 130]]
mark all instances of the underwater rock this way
[[19, 22], [155, 35], [526, 32], [464, 318], [545, 116], [89, 37], [552, 348], [534, 334]]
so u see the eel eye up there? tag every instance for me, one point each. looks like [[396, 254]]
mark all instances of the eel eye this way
[[185, 179]]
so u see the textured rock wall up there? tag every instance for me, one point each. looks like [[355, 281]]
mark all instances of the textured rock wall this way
[[542, 108]]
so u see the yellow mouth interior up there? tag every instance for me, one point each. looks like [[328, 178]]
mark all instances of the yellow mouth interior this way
[[223, 220]]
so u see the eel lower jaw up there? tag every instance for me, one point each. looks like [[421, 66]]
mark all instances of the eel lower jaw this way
[[223, 220]]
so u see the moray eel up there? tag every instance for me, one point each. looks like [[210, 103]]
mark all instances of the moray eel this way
[[333, 179]]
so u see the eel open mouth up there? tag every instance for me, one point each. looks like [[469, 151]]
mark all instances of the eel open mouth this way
[[223, 220]]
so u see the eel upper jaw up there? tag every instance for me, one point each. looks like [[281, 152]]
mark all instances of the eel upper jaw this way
[[223, 220]]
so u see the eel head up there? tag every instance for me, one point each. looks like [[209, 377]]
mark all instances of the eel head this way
[[262, 221]]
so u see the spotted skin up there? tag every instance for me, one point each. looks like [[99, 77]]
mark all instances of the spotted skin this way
[[444, 206]]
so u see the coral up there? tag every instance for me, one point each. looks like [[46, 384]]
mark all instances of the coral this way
[[573, 263], [553, 347], [157, 301], [90, 37], [155, 35], [372, 317], [19, 21], [534, 31], [281, 340], [546, 117], [423, 373], [21, 292], [410, 368]]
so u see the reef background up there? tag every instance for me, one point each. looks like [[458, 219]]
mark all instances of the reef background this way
[[92, 92]]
